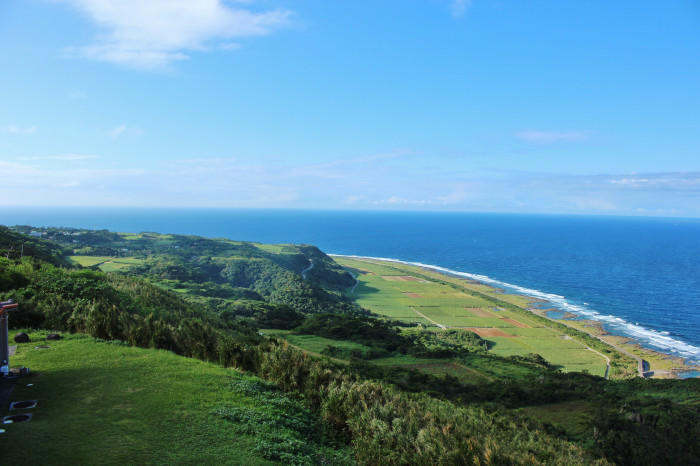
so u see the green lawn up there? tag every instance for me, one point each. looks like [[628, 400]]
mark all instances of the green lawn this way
[[108, 403]]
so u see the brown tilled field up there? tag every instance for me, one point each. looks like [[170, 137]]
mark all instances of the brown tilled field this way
[[489, 332]]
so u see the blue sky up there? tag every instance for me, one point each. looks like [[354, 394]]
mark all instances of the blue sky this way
[[485, 105]]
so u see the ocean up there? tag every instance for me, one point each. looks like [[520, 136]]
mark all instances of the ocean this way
[[640, 277]]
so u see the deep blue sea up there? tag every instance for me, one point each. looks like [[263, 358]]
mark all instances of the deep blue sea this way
[[639, 276]]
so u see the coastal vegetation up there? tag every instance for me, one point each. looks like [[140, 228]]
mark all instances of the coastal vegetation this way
[[337, 373]]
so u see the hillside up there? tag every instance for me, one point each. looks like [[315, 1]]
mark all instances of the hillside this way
[[211, 268], [108, 403], [392, 391]]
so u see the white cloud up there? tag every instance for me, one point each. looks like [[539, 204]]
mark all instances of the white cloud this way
[[630, 181], [13, 129], [354, 199], [156, 33], [459, 7], [552, 136], [26, 178]]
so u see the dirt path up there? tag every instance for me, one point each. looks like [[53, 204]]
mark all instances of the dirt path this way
[[474, 371], [428, 318]]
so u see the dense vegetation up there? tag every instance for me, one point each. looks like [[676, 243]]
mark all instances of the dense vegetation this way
[[212, 269], [210, 302]]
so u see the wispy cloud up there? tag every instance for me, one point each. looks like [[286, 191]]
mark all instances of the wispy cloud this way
[[156, 33], [27, 178], [552, 136], [339, 168], [63, 157], [124, 129], [13, 129], [656, 181], [380, 181], [117, 131], [459, 7]]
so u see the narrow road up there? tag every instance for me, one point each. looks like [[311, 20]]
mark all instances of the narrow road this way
[[428, 318], [640, 361], [303, 272]]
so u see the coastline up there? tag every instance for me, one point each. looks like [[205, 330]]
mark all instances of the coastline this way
[[651, 363]]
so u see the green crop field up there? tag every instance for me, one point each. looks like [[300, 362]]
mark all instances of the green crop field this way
[[413, 294], [113, 404], [106, 264], [317, 344]]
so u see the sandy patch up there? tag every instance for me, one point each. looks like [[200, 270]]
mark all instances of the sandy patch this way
[[413, 295]]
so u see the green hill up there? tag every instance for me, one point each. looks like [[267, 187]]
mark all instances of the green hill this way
[[337, 377]]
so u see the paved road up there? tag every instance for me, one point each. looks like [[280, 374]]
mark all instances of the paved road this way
[[640, 361], [303, 272]]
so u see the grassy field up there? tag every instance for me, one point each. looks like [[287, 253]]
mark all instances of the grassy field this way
[[317, 344], [106, 264], [108, 403], [413, 294]]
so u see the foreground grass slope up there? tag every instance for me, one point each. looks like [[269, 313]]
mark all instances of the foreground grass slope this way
[[108, 403]]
